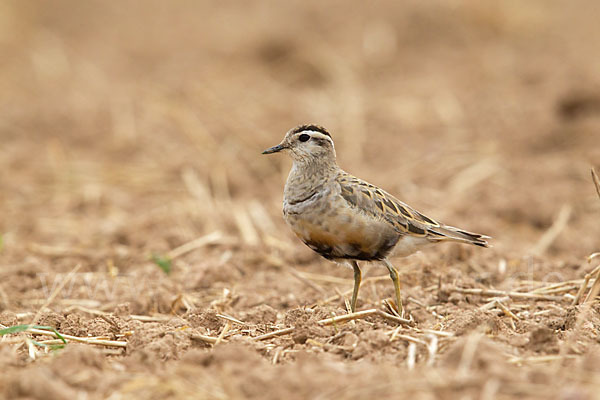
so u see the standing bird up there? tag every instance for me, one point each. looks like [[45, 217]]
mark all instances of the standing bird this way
[[346, 219]]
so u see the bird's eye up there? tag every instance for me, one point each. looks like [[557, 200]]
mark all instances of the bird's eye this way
[[304, 137]]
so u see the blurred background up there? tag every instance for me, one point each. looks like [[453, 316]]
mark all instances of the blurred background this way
[[130, 139], [134, 127]]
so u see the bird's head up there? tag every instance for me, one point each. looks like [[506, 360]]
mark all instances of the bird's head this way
[[306, 143]]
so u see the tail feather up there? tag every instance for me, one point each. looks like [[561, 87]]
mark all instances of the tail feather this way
[[460, 235]]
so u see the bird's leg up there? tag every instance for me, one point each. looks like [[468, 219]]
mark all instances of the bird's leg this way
[[396, 280], [357, 280]]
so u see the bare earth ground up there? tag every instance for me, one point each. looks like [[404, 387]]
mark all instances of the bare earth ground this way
[[130, 129]]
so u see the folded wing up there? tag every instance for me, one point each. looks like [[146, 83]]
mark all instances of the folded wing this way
[[372, 200]]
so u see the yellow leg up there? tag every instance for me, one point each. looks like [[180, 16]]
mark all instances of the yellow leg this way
[[357, 280], [396, 280]]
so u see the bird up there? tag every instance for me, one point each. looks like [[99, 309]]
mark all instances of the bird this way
[[346, 219]]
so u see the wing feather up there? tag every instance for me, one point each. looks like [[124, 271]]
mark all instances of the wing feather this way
[[405, 219]]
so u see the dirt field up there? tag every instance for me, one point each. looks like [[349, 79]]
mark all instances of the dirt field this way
[[138, 215]]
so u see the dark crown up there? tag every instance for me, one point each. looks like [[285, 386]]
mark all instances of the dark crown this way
[[311, 127]]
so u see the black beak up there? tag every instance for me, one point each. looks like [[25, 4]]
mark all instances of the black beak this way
[[274, 149]]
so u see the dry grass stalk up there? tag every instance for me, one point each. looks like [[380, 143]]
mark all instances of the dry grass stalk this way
[[595, 287], [307, 282], [556, 287], [583, 316], [417, 302], [562, 289], [596, 181], [231, 319], [273, 334], [276, 355], [142, 318], [51, 342], [326, 278], [151, 318], [584, 286], [196, 187], [491, 304], [490, 389], [540, 359], [392, 307], [472, 175], [59, 342], [100, 342], [339, 319], [31, 349], [223, 332], [315, 343], [347, 292], [468, 354], [434, 332], [261, 218], [363, 314], [195, 244], [506, 310], [55, 293], [245, 226], [429, 309], [348, 307], [411, 358], [399, 320], [347, 317], [432, 349], [204, 338], [515, 295], [94, 304], [333, 298], [394, 333], [274, 242], [552, 233], [408, 338], [4, 298]]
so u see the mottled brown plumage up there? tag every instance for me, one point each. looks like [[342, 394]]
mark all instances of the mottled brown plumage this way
[[344, 218]]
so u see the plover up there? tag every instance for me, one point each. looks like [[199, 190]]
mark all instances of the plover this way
[[346, 219]]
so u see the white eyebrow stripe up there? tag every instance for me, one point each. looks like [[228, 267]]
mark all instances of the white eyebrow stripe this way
[[319, 135]]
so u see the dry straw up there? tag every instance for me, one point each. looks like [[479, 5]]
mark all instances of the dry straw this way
[[340, 319]]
